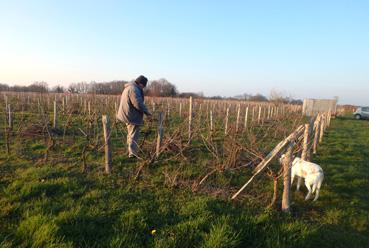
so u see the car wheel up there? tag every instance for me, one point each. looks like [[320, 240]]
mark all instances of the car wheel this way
[[357, 117]]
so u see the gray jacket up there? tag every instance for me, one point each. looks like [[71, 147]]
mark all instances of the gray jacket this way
[[132, 106]]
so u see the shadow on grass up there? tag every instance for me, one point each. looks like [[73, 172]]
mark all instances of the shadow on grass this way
[[344, 201]]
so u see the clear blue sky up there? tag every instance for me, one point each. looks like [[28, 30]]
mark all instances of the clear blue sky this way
[[301, 48]]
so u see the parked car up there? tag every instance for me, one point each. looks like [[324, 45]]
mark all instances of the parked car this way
[[361, 113]]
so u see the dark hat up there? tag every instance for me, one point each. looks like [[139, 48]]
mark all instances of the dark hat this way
[[141, 80]]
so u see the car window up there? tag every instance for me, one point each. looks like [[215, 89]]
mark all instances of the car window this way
[[366, 109]]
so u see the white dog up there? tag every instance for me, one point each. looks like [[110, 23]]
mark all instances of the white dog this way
[[312, 173]]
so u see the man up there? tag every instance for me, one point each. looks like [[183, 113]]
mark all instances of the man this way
[[131, 111]]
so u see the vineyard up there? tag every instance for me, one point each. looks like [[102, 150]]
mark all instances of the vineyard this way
[[76, 186], [211, 137]]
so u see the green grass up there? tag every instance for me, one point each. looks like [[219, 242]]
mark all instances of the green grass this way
[[56, 205]]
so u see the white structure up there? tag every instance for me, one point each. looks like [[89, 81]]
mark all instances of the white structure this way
[[314, 106]]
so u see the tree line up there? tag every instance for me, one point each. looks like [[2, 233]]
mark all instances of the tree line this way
[[156, 88], [160, 87]]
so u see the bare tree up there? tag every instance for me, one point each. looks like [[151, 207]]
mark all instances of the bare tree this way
[[58, 89], [258, 98], [161, 87], [41, 87]]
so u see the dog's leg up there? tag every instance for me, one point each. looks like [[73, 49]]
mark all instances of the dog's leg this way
[[316, 194], [319, 184], [292, 178], [299, 180], [309, 189]]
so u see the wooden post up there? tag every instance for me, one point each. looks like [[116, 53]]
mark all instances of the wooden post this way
[[108, 159], [6, 101], [321, 132], [55, 116], [190, 120], [168, 111], [38, 105], [286, 197], [89, 108], [271, 112], [259, 115], [84, 107], [305, 148], [226, 122], [160, 134], [246, 116], [7, 133], [180, 109], [316, 136], [211, 121], [253, 115], [10, 117], [238, 117]]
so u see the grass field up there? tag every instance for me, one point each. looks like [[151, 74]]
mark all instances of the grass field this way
[[46, 205]]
